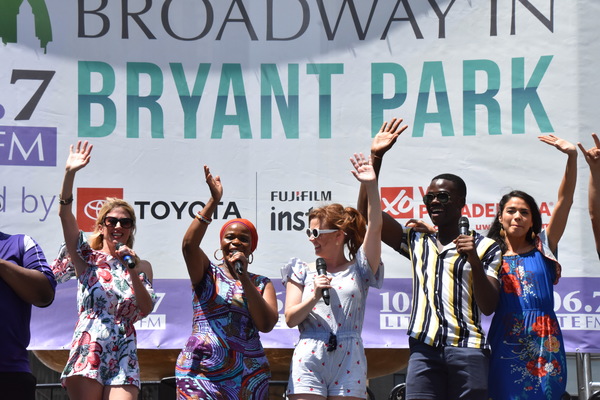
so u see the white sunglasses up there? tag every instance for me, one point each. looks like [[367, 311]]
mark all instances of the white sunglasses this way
[[316, 232]]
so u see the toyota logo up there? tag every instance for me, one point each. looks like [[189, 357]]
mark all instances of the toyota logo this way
[[92, 208]]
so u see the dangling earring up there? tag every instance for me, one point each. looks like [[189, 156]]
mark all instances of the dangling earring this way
[[502, 233], [215, 255], [251, 258], [532, 235]]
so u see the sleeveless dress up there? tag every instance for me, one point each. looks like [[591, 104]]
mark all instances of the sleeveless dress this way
[[528, 355], [104, 346], [223, 358]]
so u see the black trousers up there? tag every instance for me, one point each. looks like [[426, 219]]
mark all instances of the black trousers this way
[[17, 386]]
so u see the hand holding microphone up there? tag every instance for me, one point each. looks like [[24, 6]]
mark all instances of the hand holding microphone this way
[[129, 260], [322, 270], [463, 225], [239, 267], [464, 246]]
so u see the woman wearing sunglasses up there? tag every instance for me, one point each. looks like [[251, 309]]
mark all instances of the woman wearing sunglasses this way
[[114, 290], [528, 354], [329, 359], [223, 357]]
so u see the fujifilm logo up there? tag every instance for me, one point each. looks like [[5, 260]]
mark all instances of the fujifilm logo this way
[[301, 195]]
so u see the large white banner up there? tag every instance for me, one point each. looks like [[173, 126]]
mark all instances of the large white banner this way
[[275, 96]]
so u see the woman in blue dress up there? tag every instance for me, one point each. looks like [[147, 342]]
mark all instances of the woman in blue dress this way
[[528, 355]]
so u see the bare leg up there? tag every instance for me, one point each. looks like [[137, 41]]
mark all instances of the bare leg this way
[[81, 388]]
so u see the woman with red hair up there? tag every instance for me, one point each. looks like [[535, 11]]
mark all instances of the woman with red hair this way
[[224, 358], [328, 306]]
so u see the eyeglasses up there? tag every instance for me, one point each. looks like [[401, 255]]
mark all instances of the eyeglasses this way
[[113, 221], [443, 197], [316, 232]]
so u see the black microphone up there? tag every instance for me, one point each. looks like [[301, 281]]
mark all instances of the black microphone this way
[[127, 257], [322, 270], [239, 267], [463, 225]]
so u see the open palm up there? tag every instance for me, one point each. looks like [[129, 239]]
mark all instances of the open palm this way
[[79, 156], [363, 168]]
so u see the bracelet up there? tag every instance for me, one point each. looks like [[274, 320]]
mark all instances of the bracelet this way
[[202, 218], [64, 202]]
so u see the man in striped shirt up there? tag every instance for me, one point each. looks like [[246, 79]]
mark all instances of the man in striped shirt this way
[[455, 278]]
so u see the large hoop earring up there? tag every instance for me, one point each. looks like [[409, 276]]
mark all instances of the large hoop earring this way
[[251, 258], [215, 255]]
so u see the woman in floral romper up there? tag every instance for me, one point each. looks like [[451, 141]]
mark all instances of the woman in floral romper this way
[[528, 355], [114, 291]]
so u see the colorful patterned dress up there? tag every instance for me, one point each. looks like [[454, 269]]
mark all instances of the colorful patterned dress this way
[[223, 358], [104, 344], [528, 355]]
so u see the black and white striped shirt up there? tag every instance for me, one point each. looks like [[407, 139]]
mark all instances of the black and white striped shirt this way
[[444, 312]]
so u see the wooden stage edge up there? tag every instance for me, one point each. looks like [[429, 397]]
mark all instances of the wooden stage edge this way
[[158, 364]]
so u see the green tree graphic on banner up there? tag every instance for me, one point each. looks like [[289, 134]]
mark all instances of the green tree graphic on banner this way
[[9, 9]]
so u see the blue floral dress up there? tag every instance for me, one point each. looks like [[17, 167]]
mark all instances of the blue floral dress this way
[[528, 355], [104, 344]]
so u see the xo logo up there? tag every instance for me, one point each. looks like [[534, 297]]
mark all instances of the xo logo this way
[[398, 201]]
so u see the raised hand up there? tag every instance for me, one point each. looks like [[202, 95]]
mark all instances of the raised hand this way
[[214, 184], [79, 156], [560, 144], [592, 156], [363, 168], [387, 135]]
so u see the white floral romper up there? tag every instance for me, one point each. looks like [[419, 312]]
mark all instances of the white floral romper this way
[[104, 343]]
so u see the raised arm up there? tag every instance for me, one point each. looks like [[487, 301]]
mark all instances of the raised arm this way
[[592, 157], [562, 207], [79, 157], [365, 174], [384, 140], [196, 260]]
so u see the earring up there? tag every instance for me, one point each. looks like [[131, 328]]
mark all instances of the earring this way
[[502, 233], [215, 255], [251, 258], [532, 235]]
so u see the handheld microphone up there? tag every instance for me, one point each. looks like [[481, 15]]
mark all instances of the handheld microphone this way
[[239, 267], [322, 270], [463, 225], [127, 257]]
